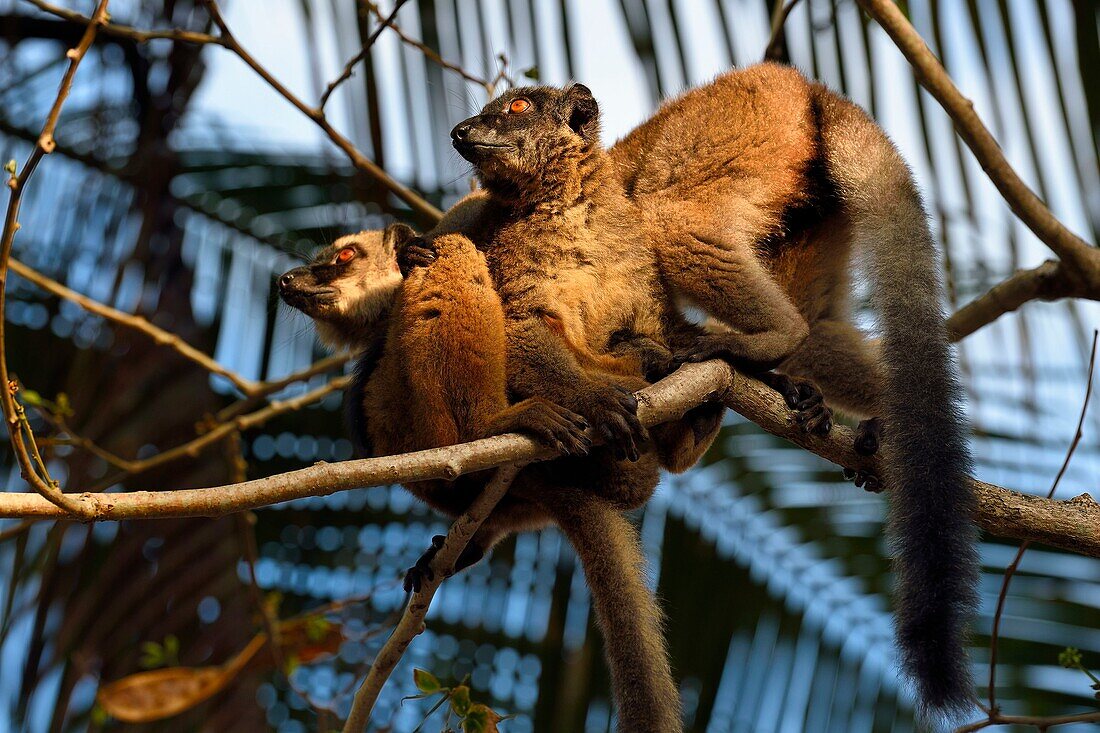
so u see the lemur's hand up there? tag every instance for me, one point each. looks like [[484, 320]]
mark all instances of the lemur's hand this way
[[416, 252], [613, 412]]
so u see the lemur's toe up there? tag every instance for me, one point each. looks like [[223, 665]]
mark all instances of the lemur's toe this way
[[422, 570]]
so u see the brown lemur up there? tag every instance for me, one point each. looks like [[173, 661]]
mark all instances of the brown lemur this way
[[433, 373], [748, 198]]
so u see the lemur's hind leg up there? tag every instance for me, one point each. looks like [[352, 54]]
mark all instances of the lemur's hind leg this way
[[718, 270], [843, 363]]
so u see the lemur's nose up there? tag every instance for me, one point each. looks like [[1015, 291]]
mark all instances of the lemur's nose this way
[[460, 132]]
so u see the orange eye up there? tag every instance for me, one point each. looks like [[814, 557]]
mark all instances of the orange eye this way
[[347, 254], [518, 106]]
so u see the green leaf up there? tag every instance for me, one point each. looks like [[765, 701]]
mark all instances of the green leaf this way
[[317, 628], [480, 719], [10, 166], [1070, 658], [98, 715], [30, 397], [532, 73], [426, 682], [460, 700]]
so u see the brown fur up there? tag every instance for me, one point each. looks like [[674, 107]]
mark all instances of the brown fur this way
[[441, 380], [745, 197]]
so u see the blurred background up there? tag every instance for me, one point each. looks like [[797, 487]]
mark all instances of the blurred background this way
[[181, 185]]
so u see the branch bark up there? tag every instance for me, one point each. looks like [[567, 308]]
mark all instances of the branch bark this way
[[1072, 524]]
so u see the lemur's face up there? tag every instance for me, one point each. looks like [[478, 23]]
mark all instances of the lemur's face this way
[[520, 134], [349, 285]]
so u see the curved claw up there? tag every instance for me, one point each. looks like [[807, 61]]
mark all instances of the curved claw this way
[[417, 252]]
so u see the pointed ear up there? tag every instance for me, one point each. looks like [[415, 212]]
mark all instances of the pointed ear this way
[[582, 112], [396, 235]]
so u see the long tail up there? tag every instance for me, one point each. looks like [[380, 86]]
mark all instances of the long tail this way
[[926, 455], [626, 611]]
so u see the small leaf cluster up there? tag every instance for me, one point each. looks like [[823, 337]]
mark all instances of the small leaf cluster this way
[[473, 717], [1071, 658], [166, 654]]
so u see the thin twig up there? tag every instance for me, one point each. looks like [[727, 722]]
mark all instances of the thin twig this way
[[412, 621], [779, 18], [1010, 571], [360, 161], [349, 67], [432, 55], [45, 144], [138, 323], [125, 31]]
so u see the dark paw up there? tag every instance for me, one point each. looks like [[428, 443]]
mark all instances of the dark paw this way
[[417, 252], [864, 480], [868, 436], [805, 399], [613, 411], [554, 425], [422, 570]]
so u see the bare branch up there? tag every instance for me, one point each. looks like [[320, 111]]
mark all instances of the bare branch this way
[[780, 12], [349, 67], [125, 31], [360, 161], [138, 323], [412, 621], [1072, 525], [1015, 564], [25, 450], [1048, 281], [1074, 251]]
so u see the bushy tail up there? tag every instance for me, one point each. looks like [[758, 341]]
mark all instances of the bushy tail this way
[[626, 611], [926, 456]]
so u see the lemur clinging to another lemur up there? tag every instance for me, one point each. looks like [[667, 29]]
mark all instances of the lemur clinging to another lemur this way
[[432, 373], [749, 196]]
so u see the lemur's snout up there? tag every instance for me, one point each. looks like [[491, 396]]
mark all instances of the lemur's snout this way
[[286, 280], [461, 132]]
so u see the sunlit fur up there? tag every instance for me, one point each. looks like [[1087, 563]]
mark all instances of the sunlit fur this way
[[362, 291]]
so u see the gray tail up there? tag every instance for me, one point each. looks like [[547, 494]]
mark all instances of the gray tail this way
[[626, 611], [926, 454]]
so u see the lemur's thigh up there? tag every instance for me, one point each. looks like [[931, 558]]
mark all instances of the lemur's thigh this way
[[714, 265], [844, 365]]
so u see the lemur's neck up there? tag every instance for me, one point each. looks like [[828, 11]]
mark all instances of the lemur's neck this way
[[572, 177]]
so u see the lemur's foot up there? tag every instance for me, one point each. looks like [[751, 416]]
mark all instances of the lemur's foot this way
[[864, 479], [416, 252], [422, 570], [550, 423], [869, 436], [705, 419], [613, 411], [805, 399]]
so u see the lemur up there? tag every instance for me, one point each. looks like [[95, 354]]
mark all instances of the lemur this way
[[747, 197], [432, 373]]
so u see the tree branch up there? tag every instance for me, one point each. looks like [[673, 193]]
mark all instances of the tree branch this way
[[412, 621], [349, 67], [1072, 525], [1048, 281], [1074, 251], [25, 450]]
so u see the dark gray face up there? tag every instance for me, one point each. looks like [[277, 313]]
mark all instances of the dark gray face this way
[[520, 132]]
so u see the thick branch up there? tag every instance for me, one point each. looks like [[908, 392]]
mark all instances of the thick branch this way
[[1031, 210], [1072, 525]]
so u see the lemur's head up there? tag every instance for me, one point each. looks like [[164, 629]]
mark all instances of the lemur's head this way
[[530, 139], [349, 286]]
